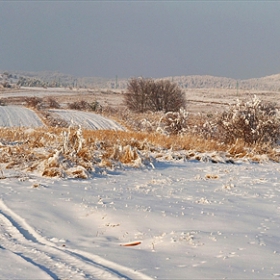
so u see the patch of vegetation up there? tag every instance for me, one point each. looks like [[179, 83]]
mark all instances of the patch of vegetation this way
[[252, 121], [85, 106], [144, 95], [247, 130], [33, 102]]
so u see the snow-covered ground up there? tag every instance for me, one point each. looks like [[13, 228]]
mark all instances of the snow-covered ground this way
[[87, 119], [194, 221], [17, 116], [187, 220]]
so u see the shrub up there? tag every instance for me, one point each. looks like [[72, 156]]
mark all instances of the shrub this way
[[252, 121], [79, 105], [85, 106], [204, 126], [148, 121], [149, 95], [52, 103], [34, 102], [174, 122], [95, 106]]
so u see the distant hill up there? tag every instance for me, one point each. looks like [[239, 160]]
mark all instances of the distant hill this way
[[57, 79], [270, 83]]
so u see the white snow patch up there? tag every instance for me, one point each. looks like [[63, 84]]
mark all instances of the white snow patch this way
[[185, 225], [87, 120], [16, 116]]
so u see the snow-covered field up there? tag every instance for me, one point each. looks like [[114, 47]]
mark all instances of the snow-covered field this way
[[17, 116], [187, 220], [87, 120], [194, 221]]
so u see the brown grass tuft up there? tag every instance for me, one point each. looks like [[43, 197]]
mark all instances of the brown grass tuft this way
[[53, 172], [211, 176]]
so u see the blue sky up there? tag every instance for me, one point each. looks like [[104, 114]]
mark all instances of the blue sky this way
[[236, 39]]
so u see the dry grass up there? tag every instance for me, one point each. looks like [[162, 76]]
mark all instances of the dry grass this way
[[74, 153]]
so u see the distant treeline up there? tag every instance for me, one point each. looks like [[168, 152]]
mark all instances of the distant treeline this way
[[56, 79]]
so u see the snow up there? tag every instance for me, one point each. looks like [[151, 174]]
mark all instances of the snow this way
[[87, 119], [194, 220], [15, 116]]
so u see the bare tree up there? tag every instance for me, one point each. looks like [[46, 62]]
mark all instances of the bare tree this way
[[149, 95]]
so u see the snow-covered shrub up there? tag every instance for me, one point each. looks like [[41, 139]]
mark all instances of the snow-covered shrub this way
[[147, 121], [71, 159], [252, 121], [174, 122], [55, 165], [203, 126]]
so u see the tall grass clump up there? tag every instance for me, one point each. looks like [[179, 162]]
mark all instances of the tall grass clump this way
[[252, 121]]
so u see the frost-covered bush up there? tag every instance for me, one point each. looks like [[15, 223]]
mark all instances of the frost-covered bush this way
[[203, 126], [144, 122], [252, 121], [174, 122]]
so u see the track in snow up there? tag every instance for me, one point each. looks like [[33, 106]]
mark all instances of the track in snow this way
[[18, 237]]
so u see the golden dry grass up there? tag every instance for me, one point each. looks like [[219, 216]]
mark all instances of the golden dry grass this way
[[60, 151]]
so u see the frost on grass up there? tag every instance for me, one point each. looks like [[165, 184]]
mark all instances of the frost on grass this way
[[173, 122], [78, 153], [66, 153], [252, 121]]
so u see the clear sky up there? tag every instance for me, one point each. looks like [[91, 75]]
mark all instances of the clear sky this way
[[236, 39]]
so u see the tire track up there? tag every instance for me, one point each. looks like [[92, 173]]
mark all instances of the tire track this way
[[17, 236]]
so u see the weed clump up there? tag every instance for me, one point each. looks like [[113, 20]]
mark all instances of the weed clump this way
[[252, 121]]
